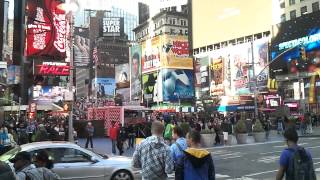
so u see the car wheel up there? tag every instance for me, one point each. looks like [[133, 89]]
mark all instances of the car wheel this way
[[122, 175]]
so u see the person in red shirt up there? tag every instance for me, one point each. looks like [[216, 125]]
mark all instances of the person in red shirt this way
[[113, 134]]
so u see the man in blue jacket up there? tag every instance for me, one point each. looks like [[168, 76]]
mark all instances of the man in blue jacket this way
[[196, 163], [180, 144]]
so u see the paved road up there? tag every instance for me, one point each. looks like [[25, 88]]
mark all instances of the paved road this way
[[257, 161]]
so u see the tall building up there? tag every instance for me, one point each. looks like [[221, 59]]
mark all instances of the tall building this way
[[296, 8]]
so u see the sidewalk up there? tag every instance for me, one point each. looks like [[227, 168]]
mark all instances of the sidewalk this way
[[103, 145]]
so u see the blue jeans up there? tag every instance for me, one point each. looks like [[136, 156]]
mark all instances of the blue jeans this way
[[114, 143]]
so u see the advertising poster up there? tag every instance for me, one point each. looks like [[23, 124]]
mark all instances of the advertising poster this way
[[149, 82], [175, 52], [151, 49], [217, 76], [177, 84], [239, 57], [3, 76], [112, 26], [81, 47], [124, 94], [135, 71], [47, 29], [48, 94], [122, 76], [13, 76], [260, 50], [105, 87]]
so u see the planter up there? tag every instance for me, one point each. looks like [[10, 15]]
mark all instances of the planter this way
[[207, 140], [259, 136], [241, 138]]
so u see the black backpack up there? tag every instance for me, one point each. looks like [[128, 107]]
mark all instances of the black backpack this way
[[300, 166]]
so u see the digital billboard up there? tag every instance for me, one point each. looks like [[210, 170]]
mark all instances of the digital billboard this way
[[177, 84], [104, 87], [48, 94], [51, 68], [294, 38], [122, 76], [124, 94], [13, 76], [135, 72], [112, 26], [47, 29], [81, 47]]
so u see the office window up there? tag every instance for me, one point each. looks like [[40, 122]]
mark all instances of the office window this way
[[293, 14], [283, 17], [304, 10], [283, 5], [174, 21], [315, 6], [171, 31], [292, 2]]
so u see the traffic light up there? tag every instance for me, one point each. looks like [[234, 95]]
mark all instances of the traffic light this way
[[303, 54]]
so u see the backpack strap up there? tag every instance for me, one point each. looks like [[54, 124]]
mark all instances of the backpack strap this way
[[179, 147], [26, 174]]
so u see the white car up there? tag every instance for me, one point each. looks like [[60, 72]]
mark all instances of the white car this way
[[74, 162]]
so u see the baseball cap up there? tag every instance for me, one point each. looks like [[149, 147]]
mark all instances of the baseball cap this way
[[21, 156]]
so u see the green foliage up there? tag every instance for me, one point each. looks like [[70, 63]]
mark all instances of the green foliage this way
[[241, 127], [257, 127]]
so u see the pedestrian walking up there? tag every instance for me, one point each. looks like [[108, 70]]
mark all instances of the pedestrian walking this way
[[295, 162], [122, 137], [41, 134], [168, 133], [113, 134], [90, 132], [267, 127], [196, 163], [152, 155], [179, 145], [279, 125], [131, 136]]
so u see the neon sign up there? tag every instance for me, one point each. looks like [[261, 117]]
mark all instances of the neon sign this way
[[300, 41], [53, 69]]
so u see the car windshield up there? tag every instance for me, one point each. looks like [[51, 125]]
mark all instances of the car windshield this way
[[8, 155]]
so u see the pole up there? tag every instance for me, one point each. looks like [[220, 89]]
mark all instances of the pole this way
[[70, 123], [255, 83]]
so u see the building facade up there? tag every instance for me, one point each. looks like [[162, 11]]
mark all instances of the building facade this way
[[296, 8]]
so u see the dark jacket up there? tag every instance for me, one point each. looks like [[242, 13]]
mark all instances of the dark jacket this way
[[195, 164]]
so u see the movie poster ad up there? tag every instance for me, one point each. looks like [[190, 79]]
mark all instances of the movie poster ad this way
[[151, 50], [217, 76], [177, 84], [104, 87], [260, 50], [135, 72], [122, 76], [81, 47], [47, 29], [150, 89]]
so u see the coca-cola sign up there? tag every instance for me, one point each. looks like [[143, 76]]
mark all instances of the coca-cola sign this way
[[52, 69], [47, 29]]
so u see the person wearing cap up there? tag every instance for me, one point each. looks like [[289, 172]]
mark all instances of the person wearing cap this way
[[23, 167]]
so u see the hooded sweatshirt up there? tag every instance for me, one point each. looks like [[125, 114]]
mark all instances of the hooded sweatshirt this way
[[195, 164], [153, 157]]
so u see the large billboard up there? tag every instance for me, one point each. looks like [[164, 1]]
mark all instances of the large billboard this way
[[81, 47], [48, 94], [122, 76], [175, 52], [135, 72], [260, 52], [51, 68], [104, 87], [253, 16], [149, 84], [112, 26], [47, 29], [177, 84], [217, 76], [13, 76], [151, 50]]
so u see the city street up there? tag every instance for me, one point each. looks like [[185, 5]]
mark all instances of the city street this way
[[257, 161]]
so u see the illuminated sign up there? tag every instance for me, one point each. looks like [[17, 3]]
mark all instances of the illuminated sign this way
[[52, 69], [47, 29], [300, 41], [112, 26]]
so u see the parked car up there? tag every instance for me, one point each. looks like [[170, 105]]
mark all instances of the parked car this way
[[74, 162]]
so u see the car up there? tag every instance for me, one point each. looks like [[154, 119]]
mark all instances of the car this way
[[74, 162]]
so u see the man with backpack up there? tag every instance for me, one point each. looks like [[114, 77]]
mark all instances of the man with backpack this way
[[196, 163], [295, 162], [180, 144]]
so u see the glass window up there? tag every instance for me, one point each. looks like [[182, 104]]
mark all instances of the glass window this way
[[283, 17], [292, 2], [304, 10], [315, 6], [174, 21], [283, 5], [293, 14], [68, 155]]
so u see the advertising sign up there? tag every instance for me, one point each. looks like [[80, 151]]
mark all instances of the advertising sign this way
[[13, 76], [124, 94], [48, 94], [47, 29], [260, 50], [122, 76], [217, 77], [135, 71], [81, 47], [177, 84], [151, 49], [112, 26], [175, 52], [105, 87], [3, 76], [51, 68], [148, 83]]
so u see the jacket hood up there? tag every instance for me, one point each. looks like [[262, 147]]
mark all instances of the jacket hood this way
[[197, 157]]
